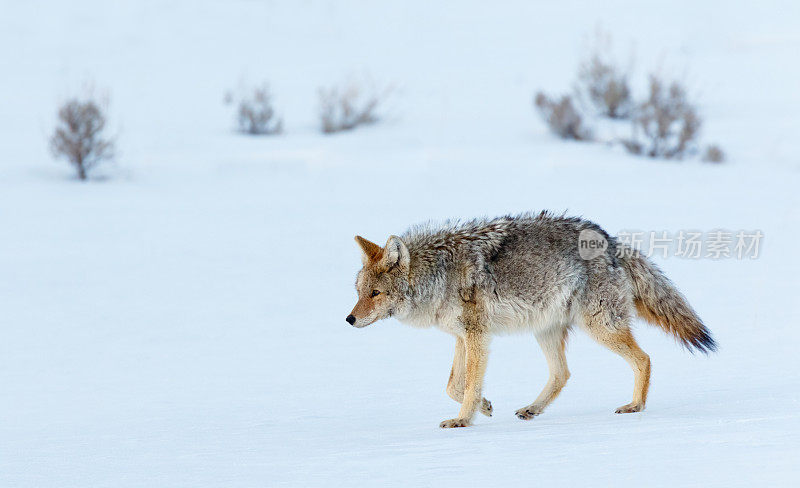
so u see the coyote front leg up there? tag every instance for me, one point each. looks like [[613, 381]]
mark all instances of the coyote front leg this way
[[475, 346], [456, 383]]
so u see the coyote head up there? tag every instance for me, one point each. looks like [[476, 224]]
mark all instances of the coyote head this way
[[382, 284]]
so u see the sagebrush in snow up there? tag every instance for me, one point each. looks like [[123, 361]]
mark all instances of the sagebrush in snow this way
[[255, 113], [562, 117], [601, 83], [666, 125], [348, 106], [79, 136], [714, 154], [606, 87]]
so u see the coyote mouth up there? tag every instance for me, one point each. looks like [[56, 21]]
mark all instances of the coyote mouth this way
[[367, 323]]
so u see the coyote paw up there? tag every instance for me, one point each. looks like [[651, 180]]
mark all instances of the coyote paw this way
[[527, 413], [486, 407], [631, 408], [452, 423]]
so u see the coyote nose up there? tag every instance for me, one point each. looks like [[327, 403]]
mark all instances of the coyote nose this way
[[350, 319]]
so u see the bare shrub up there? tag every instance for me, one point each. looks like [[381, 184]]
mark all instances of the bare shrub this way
[[601, 83], [346, 107], [605, 87], [666, 125], [79, 134], [562, 117], [255, 113], [714, 154]]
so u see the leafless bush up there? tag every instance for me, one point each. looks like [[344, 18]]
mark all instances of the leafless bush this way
[[667, 124], [714, 154], [605, 87], [255, 114], [346, 107], [562, 117], [601, 83], [79, 134]]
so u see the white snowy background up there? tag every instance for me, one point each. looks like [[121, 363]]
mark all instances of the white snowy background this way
[[180, 321]]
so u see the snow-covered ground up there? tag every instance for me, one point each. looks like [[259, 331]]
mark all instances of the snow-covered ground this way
[[180, 323]]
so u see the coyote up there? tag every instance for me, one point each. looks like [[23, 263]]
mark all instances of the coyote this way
[[521, 273]]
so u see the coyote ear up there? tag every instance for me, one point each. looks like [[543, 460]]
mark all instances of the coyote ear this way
[[395, 253], [370, 251]]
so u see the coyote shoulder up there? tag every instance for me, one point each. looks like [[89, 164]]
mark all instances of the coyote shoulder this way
[[521, 273]]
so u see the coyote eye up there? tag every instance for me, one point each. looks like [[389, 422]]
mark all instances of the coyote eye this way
[[375, 293]]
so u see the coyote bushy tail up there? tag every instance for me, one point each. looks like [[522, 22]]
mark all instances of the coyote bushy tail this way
[[659, 302]]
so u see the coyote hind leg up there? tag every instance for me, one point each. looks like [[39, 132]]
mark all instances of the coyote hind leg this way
[[553, 344], [456, 383], [620, 340]]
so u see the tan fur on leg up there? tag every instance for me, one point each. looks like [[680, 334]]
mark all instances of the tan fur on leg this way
[[456, 383], [553, 345], [475, 346], [621, 341]]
